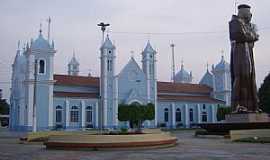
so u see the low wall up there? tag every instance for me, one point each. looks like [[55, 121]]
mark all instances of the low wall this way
[[109, 141], [239, 134]]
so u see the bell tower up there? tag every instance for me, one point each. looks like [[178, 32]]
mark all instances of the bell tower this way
[[149, 68], [108, 88]]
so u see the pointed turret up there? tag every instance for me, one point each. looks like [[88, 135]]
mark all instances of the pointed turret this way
[[207, 79], [73, 66], [40, 42], [149, 48], [108, 43]]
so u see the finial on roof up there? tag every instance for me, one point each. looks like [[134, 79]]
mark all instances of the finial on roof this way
[[40, 28], [222, 54], [19, 44], [52, 43], [148, 37], [24, 46], [207, 65], [90, 74], [132, 54], [182, 64], [222, 58], [73, 53], [27, 45]]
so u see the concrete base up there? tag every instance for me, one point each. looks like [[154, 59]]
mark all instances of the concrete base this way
[[247, 117], [100, 142], [239, 134]]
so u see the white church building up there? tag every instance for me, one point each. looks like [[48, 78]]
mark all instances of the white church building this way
[[74, 102]]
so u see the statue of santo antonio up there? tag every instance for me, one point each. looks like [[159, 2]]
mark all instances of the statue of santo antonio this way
[[243, 35]]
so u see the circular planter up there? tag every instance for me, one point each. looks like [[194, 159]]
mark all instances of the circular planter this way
[[97, 142]]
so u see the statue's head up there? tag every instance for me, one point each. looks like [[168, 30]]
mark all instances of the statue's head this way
[[244, 12]]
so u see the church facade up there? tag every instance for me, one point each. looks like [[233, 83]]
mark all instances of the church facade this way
[[74, 102]]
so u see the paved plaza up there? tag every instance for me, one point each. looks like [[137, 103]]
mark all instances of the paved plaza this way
[[189, 147]]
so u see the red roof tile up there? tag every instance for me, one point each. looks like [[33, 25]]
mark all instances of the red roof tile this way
[[76, 80], [169, 87], [162, 87]]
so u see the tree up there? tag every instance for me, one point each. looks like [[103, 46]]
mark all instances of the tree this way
[[264, 95], [136, 114], [222, 111]]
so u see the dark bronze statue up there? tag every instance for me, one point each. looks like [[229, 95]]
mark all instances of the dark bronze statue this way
[[243, 35]]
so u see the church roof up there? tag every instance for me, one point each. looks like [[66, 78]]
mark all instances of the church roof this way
[[207, 79], [167, 91], [76, 80], [73, 60], [131, 65], [183, 76], [108, 43], [40, 42], [164, 87], [169, 87], [148, 48], [222, 65]]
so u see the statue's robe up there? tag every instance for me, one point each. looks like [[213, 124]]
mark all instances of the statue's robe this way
[[244, 90]]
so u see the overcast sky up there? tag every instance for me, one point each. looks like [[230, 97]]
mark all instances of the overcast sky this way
[[74, 27]]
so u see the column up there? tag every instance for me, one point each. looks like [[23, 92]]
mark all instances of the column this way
[[199, 113], [83, 113], [213, 113], [115, 102], [96, 115], [173, 115], [51, 108], [67, 113], [187, 122], [155, 93]]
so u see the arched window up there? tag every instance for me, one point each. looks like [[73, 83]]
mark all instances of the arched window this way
[[191, 115], [204, 107], [74, 114], [204, 116], [178, 115], [58, 114], [41, 66], [89, 114], [166, 115], [109, 65]]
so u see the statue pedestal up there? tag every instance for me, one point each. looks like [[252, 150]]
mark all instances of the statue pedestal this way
[[247, 117]]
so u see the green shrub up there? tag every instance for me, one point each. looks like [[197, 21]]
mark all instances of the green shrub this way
[[136, 114], [222, 111], [264, 95]]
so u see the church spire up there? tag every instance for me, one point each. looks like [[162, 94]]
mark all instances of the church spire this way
[[73, 66], [182, 64]]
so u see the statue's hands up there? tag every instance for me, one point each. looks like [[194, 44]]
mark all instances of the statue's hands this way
[[255, 31]]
